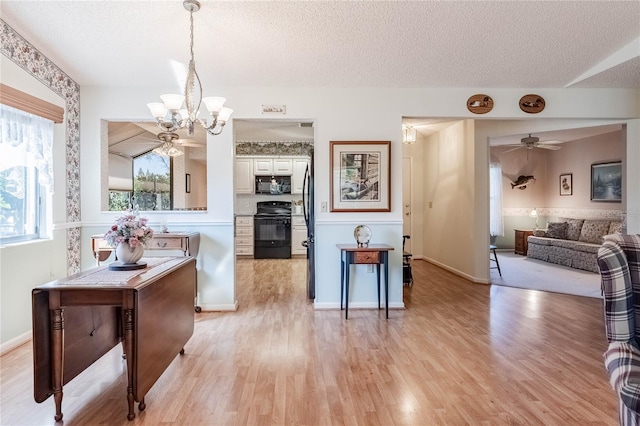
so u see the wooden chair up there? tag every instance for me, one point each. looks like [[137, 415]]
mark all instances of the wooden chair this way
[[407, 275], [492, 249]]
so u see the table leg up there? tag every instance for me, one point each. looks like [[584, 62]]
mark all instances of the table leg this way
[[378, 278], [341, 281], [128, 346], [385, 261], [57, 364], [346, 299]]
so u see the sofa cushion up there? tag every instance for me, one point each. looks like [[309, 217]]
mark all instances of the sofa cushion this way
[[593, 231], [543, 241], [615, 227], [574, 227], [557, 230]]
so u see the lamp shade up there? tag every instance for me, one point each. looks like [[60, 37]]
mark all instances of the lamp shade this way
[[172, 102], [224, 114], [158, 110], [214, 104]]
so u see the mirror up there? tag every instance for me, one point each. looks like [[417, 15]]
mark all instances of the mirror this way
[[151, 173]]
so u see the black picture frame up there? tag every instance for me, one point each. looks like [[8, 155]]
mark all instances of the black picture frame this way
[[187, 183], [606, 182], [566, 184]]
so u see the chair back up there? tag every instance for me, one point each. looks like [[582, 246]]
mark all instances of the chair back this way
[[619, 264], [404, 239]]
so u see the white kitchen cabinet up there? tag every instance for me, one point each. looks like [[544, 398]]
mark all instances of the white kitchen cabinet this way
[[297, 179], [272, 166], [263, 166], [298, 235], [282, 166], [244, 236], [244, 176]]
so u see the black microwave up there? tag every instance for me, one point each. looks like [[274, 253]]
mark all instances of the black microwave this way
[[273, 185]]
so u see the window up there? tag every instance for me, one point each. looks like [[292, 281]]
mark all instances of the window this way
[[26, 178], [151, 185], [496, 224]]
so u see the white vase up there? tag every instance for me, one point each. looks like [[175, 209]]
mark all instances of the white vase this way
[[128, 254]]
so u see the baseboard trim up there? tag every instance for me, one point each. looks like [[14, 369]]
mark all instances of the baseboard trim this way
[[15, 342], [218, 308], [458, 273]]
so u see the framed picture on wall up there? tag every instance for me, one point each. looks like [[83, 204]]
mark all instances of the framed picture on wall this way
[[360, 176], [606, 182], [566, 184]]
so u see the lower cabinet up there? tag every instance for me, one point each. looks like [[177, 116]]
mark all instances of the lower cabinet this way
[[244, 235], [298, 235]]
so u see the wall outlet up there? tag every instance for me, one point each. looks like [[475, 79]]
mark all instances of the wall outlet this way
[[430, 204], [370, 269], [323, 206]]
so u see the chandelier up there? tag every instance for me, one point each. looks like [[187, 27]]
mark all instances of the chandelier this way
[[168, 149], [169, 113]]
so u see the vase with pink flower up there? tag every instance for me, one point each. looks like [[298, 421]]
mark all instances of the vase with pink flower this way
[[129, 235]]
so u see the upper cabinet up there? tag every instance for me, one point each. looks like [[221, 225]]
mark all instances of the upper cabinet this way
[[272, 166], [297, 179], [244, 176]]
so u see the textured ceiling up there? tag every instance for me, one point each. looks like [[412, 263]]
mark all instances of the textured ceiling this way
[[479, 44], [533, 44]]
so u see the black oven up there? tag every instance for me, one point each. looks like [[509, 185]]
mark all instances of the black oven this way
[[272, 230]]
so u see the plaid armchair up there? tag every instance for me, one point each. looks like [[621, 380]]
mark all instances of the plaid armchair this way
[[619, 264]]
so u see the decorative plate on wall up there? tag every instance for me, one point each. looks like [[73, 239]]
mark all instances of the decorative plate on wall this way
[[480, 104], [532, 104]]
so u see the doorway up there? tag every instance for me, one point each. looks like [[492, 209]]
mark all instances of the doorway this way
[[268, 154]]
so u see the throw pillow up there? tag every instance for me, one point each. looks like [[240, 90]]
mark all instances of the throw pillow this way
[[557, 230], [615, 227], [539, 232], [593, 231], [574, 227]]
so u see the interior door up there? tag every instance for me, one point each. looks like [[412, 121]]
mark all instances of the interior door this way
[[406, 200]]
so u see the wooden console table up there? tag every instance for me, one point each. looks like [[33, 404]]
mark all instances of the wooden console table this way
[[78, 319], [187, 242], [374, 254]]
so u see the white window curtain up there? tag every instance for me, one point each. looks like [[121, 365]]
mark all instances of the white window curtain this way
[[27, 140], [496, 224]]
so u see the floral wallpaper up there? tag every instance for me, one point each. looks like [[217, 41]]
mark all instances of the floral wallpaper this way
[[20, 51], [274, 148]]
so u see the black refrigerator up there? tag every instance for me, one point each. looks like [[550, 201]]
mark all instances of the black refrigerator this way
[[308, 206]]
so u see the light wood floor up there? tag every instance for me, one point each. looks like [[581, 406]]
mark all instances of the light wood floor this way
[[460, 353]]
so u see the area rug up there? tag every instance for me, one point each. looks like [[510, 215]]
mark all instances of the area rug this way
[[522, 272]]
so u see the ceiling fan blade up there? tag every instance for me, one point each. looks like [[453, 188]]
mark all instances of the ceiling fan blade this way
[[504, 152], [551, 147]]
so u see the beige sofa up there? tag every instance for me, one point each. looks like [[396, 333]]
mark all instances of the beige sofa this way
[[572, 242]]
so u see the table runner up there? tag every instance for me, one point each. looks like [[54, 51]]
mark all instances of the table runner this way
[[104, 276]]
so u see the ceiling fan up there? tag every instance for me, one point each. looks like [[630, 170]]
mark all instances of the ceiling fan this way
[[531, 142]]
